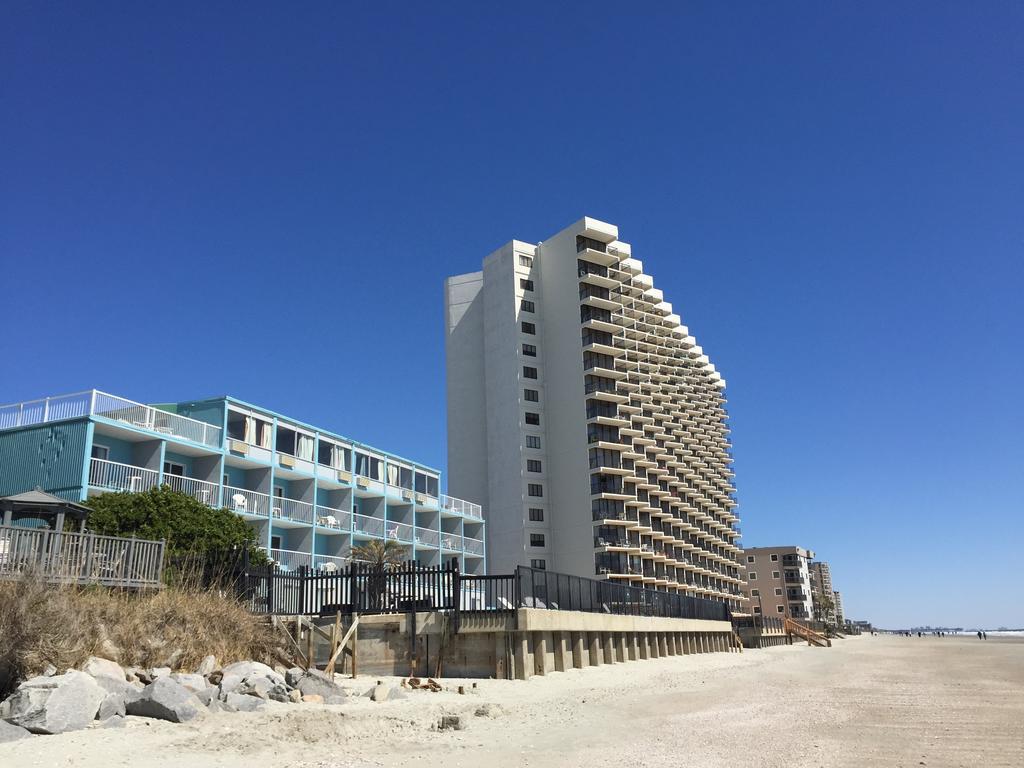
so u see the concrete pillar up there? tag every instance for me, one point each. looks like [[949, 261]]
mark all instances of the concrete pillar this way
[[687, 643], [645, 645], [671, 638], [609, 647], [563, 655], [577, 649], [521, 656], [634, 646], [540, 652], [663, 644], [622, 639], [594, 652]]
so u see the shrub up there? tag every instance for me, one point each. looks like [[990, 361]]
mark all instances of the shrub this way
[[186, 524]]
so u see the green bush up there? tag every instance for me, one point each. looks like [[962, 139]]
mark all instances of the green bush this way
[[186, 524]]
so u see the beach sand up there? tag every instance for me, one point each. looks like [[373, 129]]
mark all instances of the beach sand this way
[[868, 701]]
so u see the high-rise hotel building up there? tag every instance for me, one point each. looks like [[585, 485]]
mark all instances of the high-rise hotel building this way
[[586, 419]]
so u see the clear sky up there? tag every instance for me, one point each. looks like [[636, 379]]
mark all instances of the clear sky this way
[[264, 199]]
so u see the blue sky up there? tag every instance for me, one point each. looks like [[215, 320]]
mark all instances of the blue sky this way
[[264, 200]]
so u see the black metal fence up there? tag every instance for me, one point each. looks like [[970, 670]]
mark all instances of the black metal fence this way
[[561, 592], [361, 588]]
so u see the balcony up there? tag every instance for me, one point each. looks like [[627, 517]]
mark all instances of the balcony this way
[[292, 510], [461, 507], [113, 476], [245, 502], [336, 519], [289, 560], [427, 537], [473, 546], [113, 408], [402, 532], [368, 526], [200, 490]]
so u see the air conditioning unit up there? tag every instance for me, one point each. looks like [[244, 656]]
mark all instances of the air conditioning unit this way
[[237, 446], [286, 460]]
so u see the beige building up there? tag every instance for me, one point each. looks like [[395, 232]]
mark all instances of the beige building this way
[[587, 420], [821, 586], [840, 615], [779, 581]]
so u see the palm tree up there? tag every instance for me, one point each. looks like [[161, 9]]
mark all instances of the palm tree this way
[[378, 558]]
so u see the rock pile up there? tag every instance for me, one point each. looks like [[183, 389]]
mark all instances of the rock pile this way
[[103, 690]]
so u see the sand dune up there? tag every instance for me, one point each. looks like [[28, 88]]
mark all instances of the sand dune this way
[[869, 701]]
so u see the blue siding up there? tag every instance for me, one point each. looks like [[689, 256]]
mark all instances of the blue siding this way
[[177, 458], [120, 450], [50, 457]]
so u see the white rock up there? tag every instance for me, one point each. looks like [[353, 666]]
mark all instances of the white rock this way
[[165, 699], [56, 704]]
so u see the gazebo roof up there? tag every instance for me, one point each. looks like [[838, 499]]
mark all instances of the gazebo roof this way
[[40, 499]]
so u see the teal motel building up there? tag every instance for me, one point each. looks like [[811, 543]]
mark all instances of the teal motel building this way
[[310, 494]]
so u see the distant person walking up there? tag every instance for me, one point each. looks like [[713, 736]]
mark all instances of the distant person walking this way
[[979, 634], [984, 635]]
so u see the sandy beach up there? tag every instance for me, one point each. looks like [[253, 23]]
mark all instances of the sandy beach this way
[[888, 701]]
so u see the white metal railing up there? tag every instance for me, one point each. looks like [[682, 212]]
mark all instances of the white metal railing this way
[[472, 546], [115, 476], [451, 541], [399, 531], [427, 537], [244, 501], [461, 507], [292, 509], [197, 489], [338, 519], [289, 560], [371, 526], [330, 562], [112, 407]]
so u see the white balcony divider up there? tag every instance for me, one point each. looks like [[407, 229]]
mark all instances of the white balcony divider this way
[[338, 519], [292, 509], [472, 546], [289, 560], [115, 476], [399, 531], [109, 407], [371, 526], [244, 501], [461, 507], [197, 489], [427, 537]]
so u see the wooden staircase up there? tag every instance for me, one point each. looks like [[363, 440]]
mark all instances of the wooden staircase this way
[[806, 633]]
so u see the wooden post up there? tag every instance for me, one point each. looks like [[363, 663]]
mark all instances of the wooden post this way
[[355, 643]]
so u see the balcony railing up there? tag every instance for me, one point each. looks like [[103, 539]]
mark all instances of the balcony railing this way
[[399, 531], [292, 509], [199, 490], [115, 476], [338, 519], [97, 403], [290, 560], [472, 546], [461, 507], [427, 537], [371, 526], [244, 501]]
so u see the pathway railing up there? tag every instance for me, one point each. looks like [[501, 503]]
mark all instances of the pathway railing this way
[[79, 558]]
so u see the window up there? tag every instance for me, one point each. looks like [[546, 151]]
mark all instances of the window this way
[[750, 558], [536, 539], [535, 489], [775, 558], [529, 328], [100, 452], [529, 350], [225, 479], [540, 565], [780, 609], [756, 609], [526, 306], [532, 418], [529, 373], [536, 515], [751, 576], [533, 465], [755, 593], [533, 441], [531, 395], [526, 285], [525, 261], [174, 468], [775, 574], [778, 592]]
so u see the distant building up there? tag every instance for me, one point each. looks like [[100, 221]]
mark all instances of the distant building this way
[[822, 593], [840, 615], [779, 581]]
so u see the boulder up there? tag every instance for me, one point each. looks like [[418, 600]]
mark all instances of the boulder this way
[[295, 695], [379, 693], [98, 667], [280, 693], [236, 702], [113, 705], [55, 704], [260, 687], [313, 699], [207, 666], [208, 695], [11, 732], [235, 674], [165, 699], [450, 723], [316, 683], [155, 673], [293, 675], [49, 671], [194, 683], [488, 710]]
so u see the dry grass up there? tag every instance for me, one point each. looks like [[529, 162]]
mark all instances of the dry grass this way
[[42, 624]]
